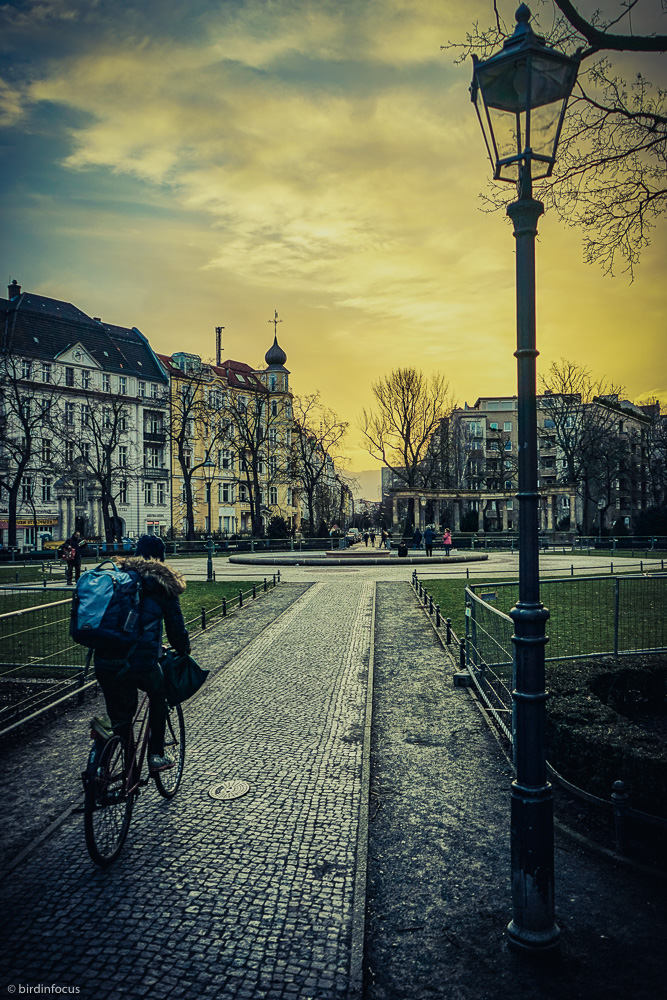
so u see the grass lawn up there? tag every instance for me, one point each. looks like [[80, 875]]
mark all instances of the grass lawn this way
[[581, 611], [44, 638]]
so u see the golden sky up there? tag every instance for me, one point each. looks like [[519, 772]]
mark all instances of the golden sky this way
[[178, 166]]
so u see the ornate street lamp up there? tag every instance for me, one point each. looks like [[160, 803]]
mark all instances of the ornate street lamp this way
[[520, 95], [209, 475]]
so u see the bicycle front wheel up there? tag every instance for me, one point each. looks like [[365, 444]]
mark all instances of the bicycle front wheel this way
[[107, 809], [174, 741]]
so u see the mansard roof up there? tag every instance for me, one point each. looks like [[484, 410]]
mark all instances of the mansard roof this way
[[237, 374], [36, 326]]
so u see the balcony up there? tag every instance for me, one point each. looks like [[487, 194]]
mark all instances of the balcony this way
[[150, 472], [158, 437]]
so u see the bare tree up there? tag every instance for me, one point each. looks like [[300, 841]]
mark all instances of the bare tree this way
[[26, 423], [195, 415], [578, 414], [318, 433], [409, 408], [611, 177]]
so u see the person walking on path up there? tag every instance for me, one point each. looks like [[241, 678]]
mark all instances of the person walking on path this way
[[119, 675], [417, 539], [366, 537], [447, 540], [71, 553], [373, 539], [428, 540]]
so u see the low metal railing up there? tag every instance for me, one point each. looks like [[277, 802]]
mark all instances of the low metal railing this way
[[40, 666]]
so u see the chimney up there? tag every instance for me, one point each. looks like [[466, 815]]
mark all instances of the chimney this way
[[14, 289]]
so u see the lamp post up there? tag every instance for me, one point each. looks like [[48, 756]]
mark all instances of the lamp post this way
[[209, 475], [601, 507], [520, 95]]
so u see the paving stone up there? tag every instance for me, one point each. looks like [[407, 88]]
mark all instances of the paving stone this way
[[245, 898]]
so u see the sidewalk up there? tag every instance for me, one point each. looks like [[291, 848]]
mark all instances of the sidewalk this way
[[250, 898], [255, 898], [439, 895]]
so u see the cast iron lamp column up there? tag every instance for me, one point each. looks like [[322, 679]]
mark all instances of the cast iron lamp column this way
[[520, 95], [209, 474]]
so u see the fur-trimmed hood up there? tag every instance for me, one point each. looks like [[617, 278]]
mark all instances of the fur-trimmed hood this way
[[160, 574]]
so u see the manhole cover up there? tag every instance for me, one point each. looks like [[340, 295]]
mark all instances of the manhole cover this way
[[227, 790]]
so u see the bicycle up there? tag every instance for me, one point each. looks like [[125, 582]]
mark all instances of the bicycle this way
[[113, 779]]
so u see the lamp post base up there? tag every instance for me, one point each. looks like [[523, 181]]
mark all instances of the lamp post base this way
[[533, 942]]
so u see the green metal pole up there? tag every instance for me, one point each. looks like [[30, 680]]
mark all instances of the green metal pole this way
[[532, 928]]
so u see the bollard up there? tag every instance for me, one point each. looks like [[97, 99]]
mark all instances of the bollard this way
[[274, 579], [240, 598], [612, 568], [430, 604], [437, 616], [278, 576], [420, 589], [224, 607], [620, 800], [425, 597], [462, 654], [641, 565], [467, 573], [203, 619], [449, 631], [264, 584], [44, 583], [254, 592], [571, 569]]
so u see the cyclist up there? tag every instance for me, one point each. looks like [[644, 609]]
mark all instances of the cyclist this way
[[119, 674]]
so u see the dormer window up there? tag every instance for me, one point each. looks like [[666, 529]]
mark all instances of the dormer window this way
[[122, 385], [106, 383]]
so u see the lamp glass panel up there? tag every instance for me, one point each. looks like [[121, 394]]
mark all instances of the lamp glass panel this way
[[552, 80], [503, 83], [544, 123], [509, 134]]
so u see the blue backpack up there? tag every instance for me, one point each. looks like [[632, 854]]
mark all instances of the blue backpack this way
[[105, 607]]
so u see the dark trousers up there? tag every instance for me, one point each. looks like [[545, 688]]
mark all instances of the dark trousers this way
[[119, 684], [76, 566]]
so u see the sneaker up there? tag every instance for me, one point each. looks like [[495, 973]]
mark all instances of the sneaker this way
[[157, 763], [101, 726]]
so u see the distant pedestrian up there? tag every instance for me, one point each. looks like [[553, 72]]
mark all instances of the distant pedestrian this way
[[417, 539], [428, 540], [402, 549], [383, 538], [373, 539], [71, 553], [366, 537], [447, 540]]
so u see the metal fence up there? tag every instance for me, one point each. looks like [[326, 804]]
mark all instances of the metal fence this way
[[40, 666]]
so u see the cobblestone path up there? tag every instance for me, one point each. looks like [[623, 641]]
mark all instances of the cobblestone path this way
[[246, 899]]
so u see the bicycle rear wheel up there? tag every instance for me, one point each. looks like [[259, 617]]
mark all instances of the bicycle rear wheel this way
[[107, 809], [174, 741]]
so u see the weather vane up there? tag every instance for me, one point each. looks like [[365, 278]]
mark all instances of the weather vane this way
[[275, 322]]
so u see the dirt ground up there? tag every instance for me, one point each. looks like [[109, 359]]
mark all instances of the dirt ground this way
[[439, 897]]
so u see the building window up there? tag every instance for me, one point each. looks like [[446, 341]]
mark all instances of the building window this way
[[273, 496], [243, 493], [85, 451], [148, 493], [106, 382], [153, 457], [227, 460], [154, 389], [122, 455], [508, 446], [227, 493], [85, 415], [46, 450], [46, 372], [69, 452], [273, 466], [80, 486], [122, 492], [122, 424], [288, 438], [46, 489], [493, 446], [142, 388], [69, 376], [26, 369], [507, 425], [273, 435], [69, 413], [508, 484], [274, 407], [159, 489], [27, 488], [122, 385], [86, 379], [549, 422], [509, 504], [153, 423], [289, 496]]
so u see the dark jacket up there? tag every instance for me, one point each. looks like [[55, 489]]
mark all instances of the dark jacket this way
[[161, 587]]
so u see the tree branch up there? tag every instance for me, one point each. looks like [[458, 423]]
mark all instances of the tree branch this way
[[603, 40]]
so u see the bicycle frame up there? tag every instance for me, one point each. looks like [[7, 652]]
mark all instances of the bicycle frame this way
[[138, 747]]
